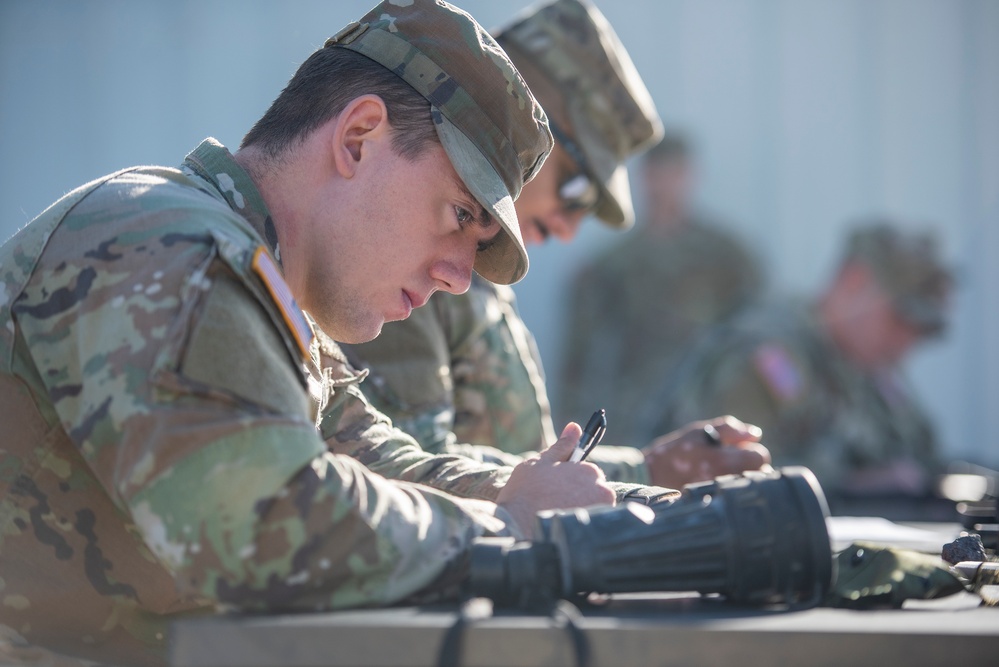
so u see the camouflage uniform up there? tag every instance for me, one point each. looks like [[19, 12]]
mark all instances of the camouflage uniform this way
[[634, 308], [463, 369], [777, 367], [165, 459], [463, 374], [173, 426]]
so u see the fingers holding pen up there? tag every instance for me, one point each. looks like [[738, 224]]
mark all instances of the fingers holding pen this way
[[555, 482], [548, 480], [733, 431], [744, 450], [705, 449], [562, 449]]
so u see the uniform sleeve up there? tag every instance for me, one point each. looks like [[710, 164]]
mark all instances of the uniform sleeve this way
[[172, 371], [410, 379], [411, 364], [462, 369], [621, 464], [411, 388], [350, 425]]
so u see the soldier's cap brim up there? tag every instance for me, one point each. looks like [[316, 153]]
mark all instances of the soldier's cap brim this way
[[614, 207], [609, 111], [505, 261]]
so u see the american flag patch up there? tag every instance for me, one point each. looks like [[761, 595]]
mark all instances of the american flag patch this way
[[271, 276], [779, 371]]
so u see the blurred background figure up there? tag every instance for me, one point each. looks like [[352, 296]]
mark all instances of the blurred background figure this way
[[640, 302], [822, 377]]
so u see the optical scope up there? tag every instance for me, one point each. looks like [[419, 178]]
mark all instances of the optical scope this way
[[758, 538]]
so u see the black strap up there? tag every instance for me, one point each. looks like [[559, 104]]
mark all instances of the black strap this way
[[567, 617], [454, 639]]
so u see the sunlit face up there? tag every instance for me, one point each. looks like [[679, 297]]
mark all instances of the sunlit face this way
[[878, 336], [555, 202], [405, 229]]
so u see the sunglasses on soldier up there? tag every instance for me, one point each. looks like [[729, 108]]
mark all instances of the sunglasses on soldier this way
[[577, 191]]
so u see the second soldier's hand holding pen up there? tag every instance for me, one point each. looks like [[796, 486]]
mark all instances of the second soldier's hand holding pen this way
[[703, 450], [547, 480]]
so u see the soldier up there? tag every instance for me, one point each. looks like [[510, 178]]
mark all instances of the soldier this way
[[823, 378], [636, 306], [463, 375], [172, 419]]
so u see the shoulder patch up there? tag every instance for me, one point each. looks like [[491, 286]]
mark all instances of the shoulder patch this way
[[779, 371], [293, 316]]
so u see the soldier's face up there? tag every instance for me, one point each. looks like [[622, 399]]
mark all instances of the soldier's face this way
[[405, 229], [879, 336], [555, 202]]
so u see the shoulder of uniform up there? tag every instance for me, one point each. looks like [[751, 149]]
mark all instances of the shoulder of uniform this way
[[270, 276]]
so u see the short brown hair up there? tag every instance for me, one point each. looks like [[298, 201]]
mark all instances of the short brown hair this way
[[324, 85]]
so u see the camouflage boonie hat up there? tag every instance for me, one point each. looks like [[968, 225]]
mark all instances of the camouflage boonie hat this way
[[909, 267], [611, 112], [493, 130]]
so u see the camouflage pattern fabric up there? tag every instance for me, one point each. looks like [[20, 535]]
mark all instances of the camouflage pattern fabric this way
[[634, 308], [160, 397], [774, 367], [870, 575], [463, 376]]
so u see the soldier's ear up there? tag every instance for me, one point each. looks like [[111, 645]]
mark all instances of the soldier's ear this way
[[360, 129]]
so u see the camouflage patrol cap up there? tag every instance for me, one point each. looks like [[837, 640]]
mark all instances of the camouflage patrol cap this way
[[909, 268], [493, 130], [610, 111]]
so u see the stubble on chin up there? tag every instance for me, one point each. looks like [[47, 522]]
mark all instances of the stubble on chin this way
[[348, 325]]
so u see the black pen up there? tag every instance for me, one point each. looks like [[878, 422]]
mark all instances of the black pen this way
[[711, 435], [594, 431]]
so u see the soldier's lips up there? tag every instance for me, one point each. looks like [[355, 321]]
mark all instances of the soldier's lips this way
[[411, 300], [419, 301]]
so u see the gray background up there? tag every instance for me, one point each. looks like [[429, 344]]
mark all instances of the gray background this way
[[807, 114]]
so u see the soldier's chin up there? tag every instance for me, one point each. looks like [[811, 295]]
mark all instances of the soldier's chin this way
[[358, 332], [367, 336]]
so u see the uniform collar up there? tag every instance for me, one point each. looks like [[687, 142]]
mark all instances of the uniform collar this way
[[213, 162]]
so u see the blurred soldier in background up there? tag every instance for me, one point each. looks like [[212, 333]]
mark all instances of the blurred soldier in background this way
[[639, 303], [823, 379], [463, 375]]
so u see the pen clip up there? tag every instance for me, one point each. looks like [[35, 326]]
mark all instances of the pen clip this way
[[594, 431], [594, 441]]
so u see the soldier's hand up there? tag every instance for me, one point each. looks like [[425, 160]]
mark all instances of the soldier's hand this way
[[695, 453], [548, 481]]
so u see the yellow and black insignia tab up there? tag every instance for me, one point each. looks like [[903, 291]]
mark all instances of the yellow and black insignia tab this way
[[293, 316]]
